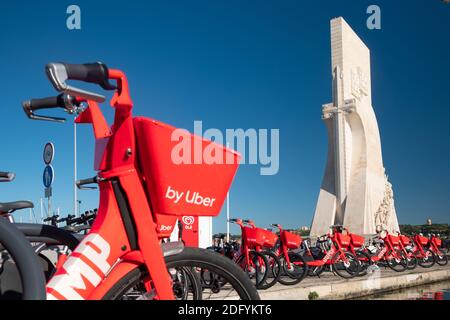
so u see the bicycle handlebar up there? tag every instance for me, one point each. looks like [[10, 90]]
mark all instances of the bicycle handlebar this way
[[80, 183], [59, 73], [96, 72], [62, 100], [7, 176]]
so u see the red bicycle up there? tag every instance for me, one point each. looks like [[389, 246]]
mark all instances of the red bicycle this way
[[425, 257], [385, 250], [434, 245], [250, 257], [405, 246], [141, 191], [293, 266], [332, 253], [357, 247], [274, 264]]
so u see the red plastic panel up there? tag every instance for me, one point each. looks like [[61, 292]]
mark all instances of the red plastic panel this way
[[394, 240], [270, 238], [193, 188], [343, 240], [292, 241], [357, 240], [405, 240], [254, 236]]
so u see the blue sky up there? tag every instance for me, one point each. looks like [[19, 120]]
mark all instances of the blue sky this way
[[238, 64]]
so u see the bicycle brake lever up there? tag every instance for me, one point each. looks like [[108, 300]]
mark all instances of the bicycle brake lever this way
[[30, 114], [57, 74]]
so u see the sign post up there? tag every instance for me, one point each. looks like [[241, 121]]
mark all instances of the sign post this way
[[48, 175]]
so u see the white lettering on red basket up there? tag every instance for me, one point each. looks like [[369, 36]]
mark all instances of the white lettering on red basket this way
[[165, 228], [189, 197], [93, 248]]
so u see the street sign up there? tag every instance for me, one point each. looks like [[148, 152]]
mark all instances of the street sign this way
[[49, 153], [48, 176]]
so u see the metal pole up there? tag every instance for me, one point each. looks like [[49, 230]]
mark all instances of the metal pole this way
[[228, 210], [42, 210], [75, 196], [49, 210], [228, 217]]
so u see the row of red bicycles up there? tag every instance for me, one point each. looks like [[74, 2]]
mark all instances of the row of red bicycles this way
[[284, 257]]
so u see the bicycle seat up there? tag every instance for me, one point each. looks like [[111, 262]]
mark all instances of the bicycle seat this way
[[16, 205]]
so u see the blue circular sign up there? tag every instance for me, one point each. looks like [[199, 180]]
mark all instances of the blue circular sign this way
[[48, 176]]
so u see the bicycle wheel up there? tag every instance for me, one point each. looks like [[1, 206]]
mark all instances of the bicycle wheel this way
[[273, 270], [441, 258], [347, 269], [426, 260], [192, 261], [296, 272], [256, 268], [364, 261], [16, 251], [397, 260], [411, 261]]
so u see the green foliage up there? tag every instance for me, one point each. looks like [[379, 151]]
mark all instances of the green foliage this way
[[313, 295], [408, 229]]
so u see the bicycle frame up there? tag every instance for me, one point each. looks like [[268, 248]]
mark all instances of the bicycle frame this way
[[383, 254], [245, 246], [434, 246], [282, 250], [124, 234], [335, 247], [408, 253], [419, 248]]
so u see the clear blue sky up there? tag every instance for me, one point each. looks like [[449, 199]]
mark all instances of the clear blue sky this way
[[238, 64]]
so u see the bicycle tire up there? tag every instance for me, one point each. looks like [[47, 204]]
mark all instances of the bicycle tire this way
[[257, 277], [28, 265], [273, 270], [441, 261], [350, 272], [393, 264], [423, 262], [195, 258], [365, 262], [293, 277]]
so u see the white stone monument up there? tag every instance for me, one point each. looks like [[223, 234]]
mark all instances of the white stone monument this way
[[355, 190]]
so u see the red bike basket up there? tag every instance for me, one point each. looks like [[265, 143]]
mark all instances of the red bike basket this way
[[423, 240], [254, 237], [357, 240], [270, 238], [437, 242], [405, 240], [292, 241], [394, 240], [183, 174], [343, 239]]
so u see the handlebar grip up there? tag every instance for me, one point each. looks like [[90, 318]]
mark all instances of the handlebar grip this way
[[96, 72], [233, 220], [45, 103], [83, 182]]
